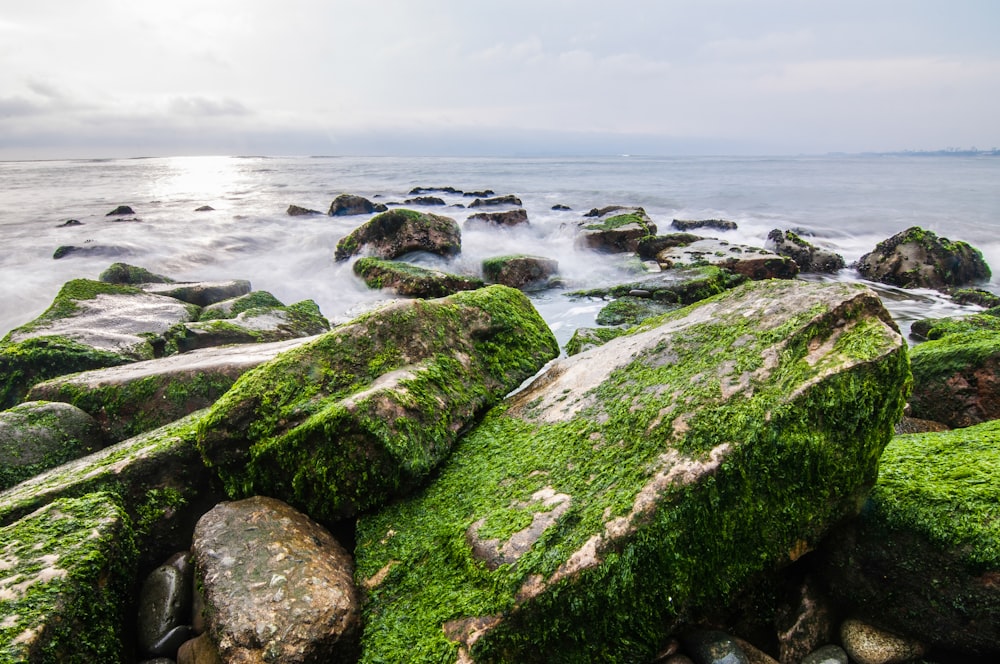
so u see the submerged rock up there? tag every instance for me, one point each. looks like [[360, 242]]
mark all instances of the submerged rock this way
[[38, 435], [685, 225], [350, 204], [916, 258], [504, 219], [119, 211], [509, 199], [630, 310], [619, 232], [640, 481], [297, 211], [386, 397], [808, 257], [412, 280], [520, 271], [396, 232]]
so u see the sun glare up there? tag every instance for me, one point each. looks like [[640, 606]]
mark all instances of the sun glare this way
[[196, 177]]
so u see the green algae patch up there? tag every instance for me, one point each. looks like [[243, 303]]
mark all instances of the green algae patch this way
[[680, 286], [412, 280], [38, 435], [633, 484], [67, 569], [585, 338], [368, 410], [932, 329], [123, 273], [954, 377], [397, 232], [236, 306]]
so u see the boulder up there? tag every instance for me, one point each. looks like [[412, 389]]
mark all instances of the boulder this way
[[123, 273], [386, 397], [120, 211], [916, 258], [560, 207], [204, 208], [201, 293], [424, 200], [651, 245], [509, 199], [66, 571], [131, 399], [38, 435], [89, 325], [685, 225], [608, 209], [412, 280], [263, 324], [297, 211], [679, 286], [416, 191], [808, 257], [233, 307], [923, 559], [91, 250], [753, 262], [615, 233], [976, 296], [630, 310], [931, 329], [520, 271], [277, 586], [506, 219], [350, 204], [956, 378], [632, 485], [391, 234]]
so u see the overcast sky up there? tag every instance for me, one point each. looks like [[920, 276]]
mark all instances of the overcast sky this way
[[285, 77]]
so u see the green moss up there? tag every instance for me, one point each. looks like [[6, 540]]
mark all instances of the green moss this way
[[33, 439], [939, 360], [123, 273], [629, 311], [932, 329], [946, 487], [620, 220], [685, 286], [585, 338], [254, 300]]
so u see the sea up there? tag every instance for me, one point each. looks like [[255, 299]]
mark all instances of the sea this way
[[847, 203]]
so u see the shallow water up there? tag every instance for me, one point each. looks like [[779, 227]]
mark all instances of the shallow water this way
[[847, 203]]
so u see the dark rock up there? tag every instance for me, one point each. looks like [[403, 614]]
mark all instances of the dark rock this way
[[561, 207], [685, 225], [713, 647], [520, 271], [508, 218], [509, 199], [956, 378], [424, 200], [281, 590], [977, 296], [201, 293], [296, 211], [170, 643], [651, 245], [110, 251], [616, 233], [483, 193], [123, 273], [164, 606], [412, 280], [397, 232], [121, 210], [752, 262], [38, 435], [350, 204], [70, 222], [808, 257], [916, 258], [608, 209], [416, 191], [804, 621], [204, 208]]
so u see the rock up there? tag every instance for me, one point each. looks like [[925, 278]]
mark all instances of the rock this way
[[509, 199], [91, 250], [138, 397], [38, 435], [424, 200], [808, 257], [123, 273], [931, 329], [916, 258], [630, 310], [917, 425], [956, 378], [277, 586], [233, 307], [199, 651], [617, 233], [204, 208], [66, 574], [826, 655], [387, 397], [866, 644], [585, 338], [608, 209], [630, 484], [753, 654], [350, 204], [520, 271], [296, 211], [416, 191], [685, 225], [713, 647], [119, 211], [412, 280], [651, 245], [507, 218], [976, 296], [679, 286], [559, 207], [922, 559], [89, 325], [483, 193], [804, 621], [201, 293], [391, 234], [752, 262], [70, 222], [164, 606]]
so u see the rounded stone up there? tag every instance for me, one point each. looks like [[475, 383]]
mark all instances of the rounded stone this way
[[866, 644], [164, 605], [826, 655]]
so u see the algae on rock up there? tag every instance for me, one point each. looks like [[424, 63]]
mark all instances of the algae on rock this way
[[637, 482]]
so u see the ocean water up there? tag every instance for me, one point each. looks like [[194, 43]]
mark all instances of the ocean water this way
[[848, 204]]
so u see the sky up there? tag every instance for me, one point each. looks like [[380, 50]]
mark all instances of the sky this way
[[129, 78]]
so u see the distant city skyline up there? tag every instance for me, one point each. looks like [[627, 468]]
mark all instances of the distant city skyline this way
[[519, 78]]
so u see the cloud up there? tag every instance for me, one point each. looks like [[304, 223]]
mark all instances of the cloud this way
[[207, 107]]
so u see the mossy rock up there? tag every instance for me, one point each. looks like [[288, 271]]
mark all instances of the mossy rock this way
[[917, 258], [255, 325], [752, 262], [955, 378], [201, 293], [616, 232], [367, 411], [520, 271], [67, 570], [237, 305], [396, 232], [629, 310], [123, 273], [924, 556], [680, 286], [977, 296], [585, 338], [931, 329], [38, 435], [806, 255], [635, 484], [412, 280]]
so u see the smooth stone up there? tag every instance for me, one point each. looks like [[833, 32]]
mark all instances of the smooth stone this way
[[826, 655], [201, 650], [866, 644], [172, 641], [164, 605]]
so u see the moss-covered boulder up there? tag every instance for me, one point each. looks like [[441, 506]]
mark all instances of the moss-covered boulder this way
[[639, 482], [806, 255], [201, 293], [929, 329], [368, 410], [752, 262], [134, 398], [629, 310], [956, 378], [917, 258], [38, 435], [89, 325], [412, 280], [618, 230], [676, 286], [585, 338], [233, 307], [123, 273], [396, 232], [976, 296], [520, 271], [924, 557], [66, 571]]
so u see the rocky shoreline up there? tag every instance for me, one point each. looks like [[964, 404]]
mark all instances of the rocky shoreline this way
[[718, 472]]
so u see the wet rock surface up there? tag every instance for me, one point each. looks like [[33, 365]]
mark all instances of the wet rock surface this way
[[397, 232], [917, 258], [37, 435]]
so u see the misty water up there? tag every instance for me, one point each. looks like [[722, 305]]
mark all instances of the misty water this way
[[847, 203]]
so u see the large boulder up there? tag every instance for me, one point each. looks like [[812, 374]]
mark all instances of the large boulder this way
[[279, 591], [923, 559], [752, 262], [383, 401], [38, 435], [396, 232], [130, 399], [89, 325], [640, 482], [916, 258], [618, 230], [520, 271], [630, 310], [807, 256], [412, 280], [66, 571]]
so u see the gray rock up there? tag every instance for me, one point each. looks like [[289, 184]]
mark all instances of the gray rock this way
[[753, 262], [397, 232], [424, 200], [916, 258], [253, 326], [829, 654], [866, 644], [808, 257], [509, 199], [201, 294], [685, 225], [506, 219], [164, 606], [349, 204], [297, 211], [276, 585], [121, 210], [38, 435]]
